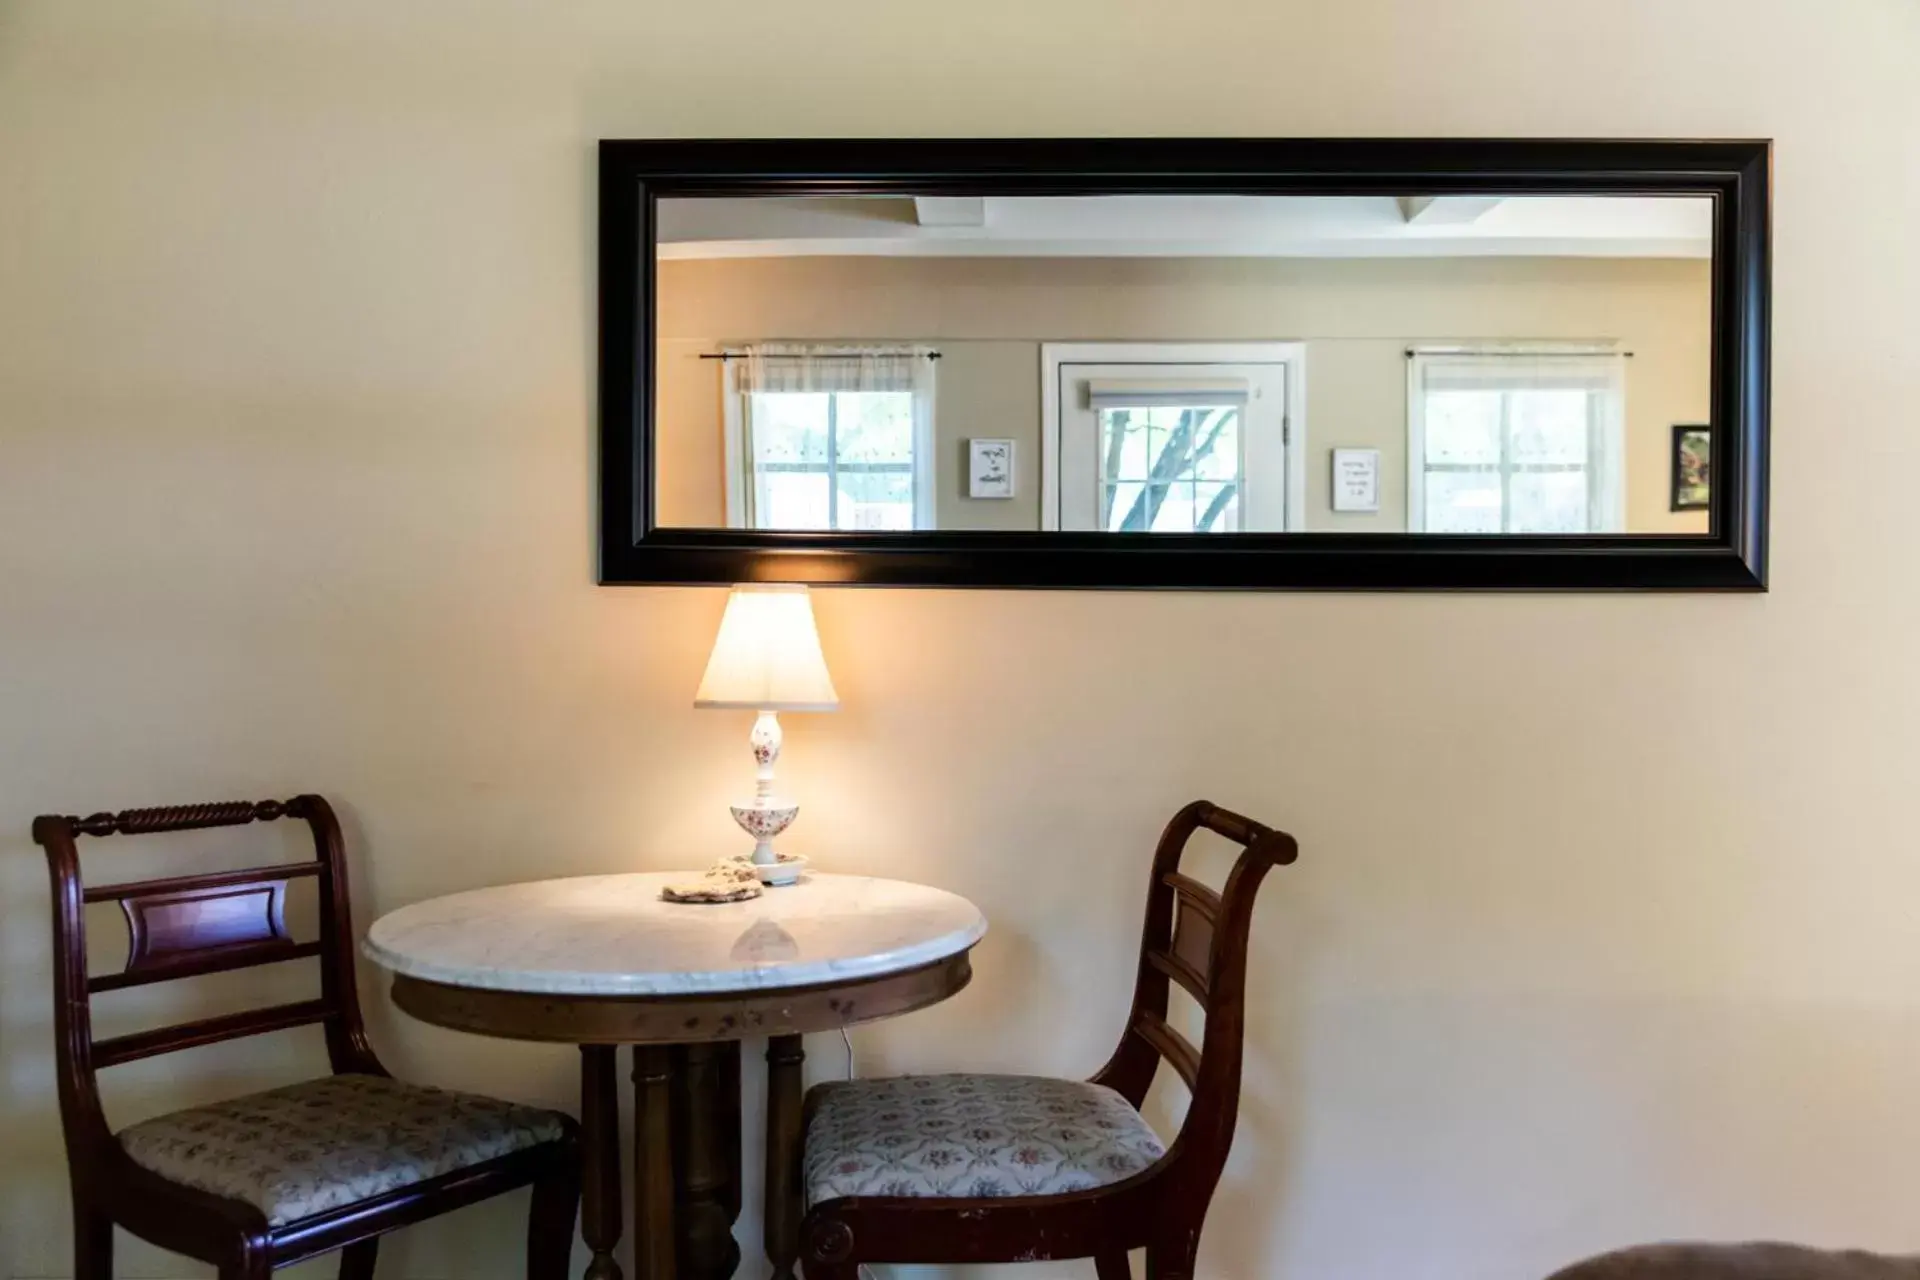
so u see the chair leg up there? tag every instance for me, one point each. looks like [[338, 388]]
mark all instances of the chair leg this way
[[1172, 1259], [1112, 1266], [92, 1244], [357, 1259], [556, 1202]]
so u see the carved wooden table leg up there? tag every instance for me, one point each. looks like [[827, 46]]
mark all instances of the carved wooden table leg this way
[[729, 1116], [706, 1244], [653, 1164], [600, 1158], [785, 1138]]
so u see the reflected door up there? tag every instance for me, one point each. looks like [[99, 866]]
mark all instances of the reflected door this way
[[1146, 446]]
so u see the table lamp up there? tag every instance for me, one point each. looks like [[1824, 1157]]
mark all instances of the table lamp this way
[[767, 659]]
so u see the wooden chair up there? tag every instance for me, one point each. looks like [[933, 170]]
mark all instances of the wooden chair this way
[[277, 1177], [984, 1169]]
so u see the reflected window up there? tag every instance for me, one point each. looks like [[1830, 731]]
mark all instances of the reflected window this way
[[1149, 444], [824, 438], [1170, 469], [1516, 442]]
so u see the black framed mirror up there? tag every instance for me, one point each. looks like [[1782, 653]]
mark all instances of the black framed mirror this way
[[1185, 363]]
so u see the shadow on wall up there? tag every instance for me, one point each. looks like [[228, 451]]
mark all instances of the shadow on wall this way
[[1255, 1185], [984, 1016], [1254, 1188]]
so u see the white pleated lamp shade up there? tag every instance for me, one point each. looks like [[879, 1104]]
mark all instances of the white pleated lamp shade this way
[[767, 656]]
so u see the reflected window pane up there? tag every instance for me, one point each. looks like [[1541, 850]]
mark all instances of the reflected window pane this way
[[876, 500], [1463, 427], [1121, 502], [1156, 445], [793, 500], [1123, 444], [1172, 508], [790, 426], [1217, 448], [1547, 502], [1548, 426], [1216, 508], [874, 426], [1463, 502]]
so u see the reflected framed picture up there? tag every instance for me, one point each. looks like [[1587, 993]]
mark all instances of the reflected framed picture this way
[[989, 468], [1692, 466]]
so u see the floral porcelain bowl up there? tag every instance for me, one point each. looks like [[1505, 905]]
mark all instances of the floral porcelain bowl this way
[[764, 819], [764, 822]]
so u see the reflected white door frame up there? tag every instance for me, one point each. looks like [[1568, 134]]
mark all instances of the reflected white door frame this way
[[1057, 372]]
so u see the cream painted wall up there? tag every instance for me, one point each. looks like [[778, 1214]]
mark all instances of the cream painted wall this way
[[991, 390], [1357, 318], [1604, 928]]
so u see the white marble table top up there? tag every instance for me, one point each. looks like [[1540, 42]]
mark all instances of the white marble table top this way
[[612, 935]]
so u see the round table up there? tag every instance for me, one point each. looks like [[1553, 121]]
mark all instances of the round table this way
[[602, 961]]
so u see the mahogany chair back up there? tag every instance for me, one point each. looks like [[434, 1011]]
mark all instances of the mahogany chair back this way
[[186, 926], [1198, 938]]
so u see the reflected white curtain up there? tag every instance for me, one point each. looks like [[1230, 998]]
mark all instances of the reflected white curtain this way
[[1600, 372], [805, 366]]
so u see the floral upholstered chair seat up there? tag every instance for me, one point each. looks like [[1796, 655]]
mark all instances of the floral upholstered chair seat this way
[[322, 1144], [971, 1136]]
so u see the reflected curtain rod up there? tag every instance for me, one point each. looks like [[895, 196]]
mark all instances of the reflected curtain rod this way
[[799, 355], [1517, 351]]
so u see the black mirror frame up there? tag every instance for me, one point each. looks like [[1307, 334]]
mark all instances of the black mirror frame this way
[[635, 174]]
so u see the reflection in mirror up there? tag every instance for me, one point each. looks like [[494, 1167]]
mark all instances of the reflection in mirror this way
[[1183, 364]]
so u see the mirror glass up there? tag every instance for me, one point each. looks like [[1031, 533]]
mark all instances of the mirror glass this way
[[1185, 364]]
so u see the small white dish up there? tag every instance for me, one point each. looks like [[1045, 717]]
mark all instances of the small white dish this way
[[784, 872]]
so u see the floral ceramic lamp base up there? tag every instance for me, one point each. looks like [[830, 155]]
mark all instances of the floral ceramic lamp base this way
[[768, 815]]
